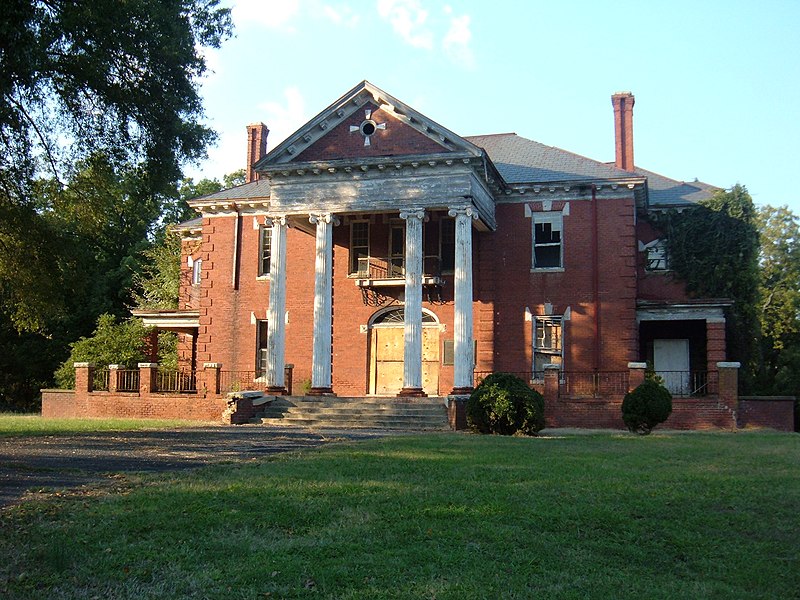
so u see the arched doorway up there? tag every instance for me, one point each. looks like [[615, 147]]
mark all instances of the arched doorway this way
[[386, 352]]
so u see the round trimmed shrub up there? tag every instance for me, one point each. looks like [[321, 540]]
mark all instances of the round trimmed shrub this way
[[504, 404], [646, 406]]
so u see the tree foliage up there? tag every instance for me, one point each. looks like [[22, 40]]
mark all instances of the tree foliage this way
[[779, 304], [713, 248], [82, 82], [111, 343]]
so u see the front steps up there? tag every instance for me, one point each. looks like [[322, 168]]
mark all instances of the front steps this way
[[331, 412]]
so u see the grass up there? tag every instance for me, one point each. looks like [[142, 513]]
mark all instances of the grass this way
[[15, 425], [438, 516]]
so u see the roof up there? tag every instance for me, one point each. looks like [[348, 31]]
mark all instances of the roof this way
[[254, 189], [521, 160], [665, 192]]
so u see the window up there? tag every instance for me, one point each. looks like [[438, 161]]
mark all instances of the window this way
[[397, 249], [359, 248], [448, 244], [264, 250], [656, 258], [548, 341], [197, 270], [547, 245], [261, 348]]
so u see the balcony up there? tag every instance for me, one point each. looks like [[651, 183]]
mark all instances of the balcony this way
[[374, 272]]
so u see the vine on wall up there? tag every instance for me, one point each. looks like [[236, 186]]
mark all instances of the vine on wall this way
[[713, 247]]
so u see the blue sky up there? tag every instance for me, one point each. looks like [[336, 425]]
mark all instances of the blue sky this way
[[717, 83]]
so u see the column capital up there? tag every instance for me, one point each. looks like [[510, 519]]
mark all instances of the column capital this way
[[413, 213], [271, 220], [469, 211], [323, 217]]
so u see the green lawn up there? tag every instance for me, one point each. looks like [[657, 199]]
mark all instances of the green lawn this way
[[12, 425], [685, 515]]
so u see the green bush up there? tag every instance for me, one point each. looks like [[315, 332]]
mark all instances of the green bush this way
[[504, 404], [112, 343], [646, 406]]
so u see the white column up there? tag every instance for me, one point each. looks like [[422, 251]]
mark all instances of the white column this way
[[323, 294], [412, 349], [464, 360], [276, 312]]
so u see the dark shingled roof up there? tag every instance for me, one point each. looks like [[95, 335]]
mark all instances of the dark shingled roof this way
[[254, 189], [665, 192], [521, 160]]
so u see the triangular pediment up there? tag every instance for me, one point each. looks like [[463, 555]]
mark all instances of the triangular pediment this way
[[366, 123]]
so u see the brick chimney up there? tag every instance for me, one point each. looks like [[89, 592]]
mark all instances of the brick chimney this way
[[256, 148], [623, 129]]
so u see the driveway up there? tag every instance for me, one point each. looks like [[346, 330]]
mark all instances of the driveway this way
[[30, 464]]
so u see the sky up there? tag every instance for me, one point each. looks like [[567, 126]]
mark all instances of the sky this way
[[717, 83]]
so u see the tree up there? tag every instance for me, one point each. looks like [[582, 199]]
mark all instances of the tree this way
[[779, 307], [112, 343], [80, 80]]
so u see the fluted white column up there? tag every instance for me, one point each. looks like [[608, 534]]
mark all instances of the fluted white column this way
[[323, 294], [276, 312], [464, 359], [412, 349]]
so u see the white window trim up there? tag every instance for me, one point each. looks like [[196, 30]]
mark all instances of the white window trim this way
[[561, 319], [197, 271], [259, 275]]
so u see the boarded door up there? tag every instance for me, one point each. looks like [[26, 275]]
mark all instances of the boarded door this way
[[386, 364], [671, 362]]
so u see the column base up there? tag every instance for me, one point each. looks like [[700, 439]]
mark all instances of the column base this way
[[462, 391], [320, 391], [275, 390], [412, 391]]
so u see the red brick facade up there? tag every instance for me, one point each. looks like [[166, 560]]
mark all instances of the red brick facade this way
[[558, 266]]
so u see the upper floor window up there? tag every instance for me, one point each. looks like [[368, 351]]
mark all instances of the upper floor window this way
[[264, 250], [547, 243], [197, 270], [656, 257], [359, 247], [448, 244]]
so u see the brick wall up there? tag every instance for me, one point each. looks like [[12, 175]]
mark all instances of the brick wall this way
[[771, 412], [397, 139], [69, 404]]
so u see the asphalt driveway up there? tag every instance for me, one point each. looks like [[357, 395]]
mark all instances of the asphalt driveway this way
[[52, 463]]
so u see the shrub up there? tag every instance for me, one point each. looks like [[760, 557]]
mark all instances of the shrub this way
[[503, 403], [646, 406]]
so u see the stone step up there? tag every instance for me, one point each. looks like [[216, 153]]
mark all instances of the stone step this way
[[396, 414], [388, 424], [356, 410]]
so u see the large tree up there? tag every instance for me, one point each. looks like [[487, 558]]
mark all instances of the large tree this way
[[779, 307], [78, 80]]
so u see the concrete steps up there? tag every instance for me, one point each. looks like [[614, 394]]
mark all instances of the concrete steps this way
[[395, 414]]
